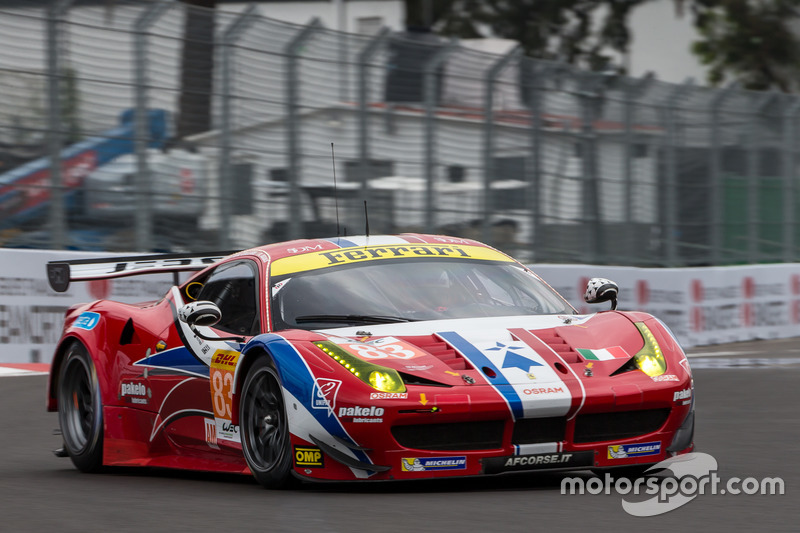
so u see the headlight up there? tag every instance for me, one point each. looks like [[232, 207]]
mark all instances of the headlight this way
[[376, 376], [649, 359]]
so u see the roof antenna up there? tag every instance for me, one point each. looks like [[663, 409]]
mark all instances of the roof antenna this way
[[335, 197], [366, 217]]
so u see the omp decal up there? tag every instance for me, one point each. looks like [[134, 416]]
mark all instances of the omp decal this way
[[603, 354], [311, 261], [511, 364], [298, 386], [573, 382], [625, 451], [308, 456], [179, 360], [87, 320], [426, 464], [223, 365]]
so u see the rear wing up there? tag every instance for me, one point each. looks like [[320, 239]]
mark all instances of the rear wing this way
[[61, 273]]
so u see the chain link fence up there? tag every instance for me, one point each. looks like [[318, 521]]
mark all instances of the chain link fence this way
[[153, 126]]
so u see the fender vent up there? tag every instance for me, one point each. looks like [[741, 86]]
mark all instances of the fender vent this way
[[128, 335], [558, 344], [441, 350]]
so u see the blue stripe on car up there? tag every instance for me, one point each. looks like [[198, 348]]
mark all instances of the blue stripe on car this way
[[179, 359], [479, 360], [299, 381]]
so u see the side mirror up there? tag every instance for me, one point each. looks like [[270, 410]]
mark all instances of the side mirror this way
[[202, 313], [601, 290]]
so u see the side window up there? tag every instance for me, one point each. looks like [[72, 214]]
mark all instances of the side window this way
[[234, 289]]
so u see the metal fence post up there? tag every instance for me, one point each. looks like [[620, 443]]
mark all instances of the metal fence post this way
[[144, 219], [790, 140], [717, 186], [591, 99], [58, 220], [430, 90], [633, 91], [488, 136], [534, 174], [364, 57], [753, 192], [292, 52], [229, 36], [671, 194]]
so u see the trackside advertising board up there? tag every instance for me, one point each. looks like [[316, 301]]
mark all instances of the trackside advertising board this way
[[32, 314], [701, 305]]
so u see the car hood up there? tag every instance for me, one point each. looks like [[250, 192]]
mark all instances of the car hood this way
[[518, 350]]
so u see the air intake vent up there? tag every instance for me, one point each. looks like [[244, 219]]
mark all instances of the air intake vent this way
[[537, 430], [441, 350], [559, 345], [601, 427], [487, 435]]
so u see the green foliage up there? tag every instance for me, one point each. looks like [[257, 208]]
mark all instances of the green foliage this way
[[748, 41], [579, 32]]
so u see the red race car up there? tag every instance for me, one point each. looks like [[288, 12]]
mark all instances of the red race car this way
[[363, 358]]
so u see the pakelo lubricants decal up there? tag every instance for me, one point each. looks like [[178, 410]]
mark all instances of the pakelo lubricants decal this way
[[223, 364]]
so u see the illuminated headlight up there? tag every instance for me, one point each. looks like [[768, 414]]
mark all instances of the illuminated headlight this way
[[649, 359], [376, 376]]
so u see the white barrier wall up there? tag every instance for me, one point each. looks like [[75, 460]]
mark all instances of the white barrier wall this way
[[701, 305], [32, 314]]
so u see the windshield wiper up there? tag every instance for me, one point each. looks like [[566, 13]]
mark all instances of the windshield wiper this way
[[359, 319]]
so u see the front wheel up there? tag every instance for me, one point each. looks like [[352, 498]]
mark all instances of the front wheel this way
[[80, 409], [264, 426]]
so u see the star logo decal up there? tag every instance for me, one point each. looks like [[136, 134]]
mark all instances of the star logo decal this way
[[513, 359]]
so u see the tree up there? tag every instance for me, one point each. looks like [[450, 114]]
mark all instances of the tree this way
[[579, 32], [748, 41]]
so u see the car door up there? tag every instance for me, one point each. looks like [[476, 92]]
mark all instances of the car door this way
[[196, 410]]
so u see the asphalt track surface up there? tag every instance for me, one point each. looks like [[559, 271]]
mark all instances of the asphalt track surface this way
[[747, 403]]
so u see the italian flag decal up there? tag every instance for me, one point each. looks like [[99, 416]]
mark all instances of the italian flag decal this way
[[603, 354]]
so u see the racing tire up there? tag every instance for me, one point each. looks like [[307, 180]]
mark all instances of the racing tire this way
[[264, 427], [80, 409]]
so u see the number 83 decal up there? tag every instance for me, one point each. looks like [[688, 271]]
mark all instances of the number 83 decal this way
[[385, 348]]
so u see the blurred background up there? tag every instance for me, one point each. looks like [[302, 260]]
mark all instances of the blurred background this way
[[535, 126]]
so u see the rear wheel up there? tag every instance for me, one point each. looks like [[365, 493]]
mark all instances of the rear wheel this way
[[80, 410], [264, 426]]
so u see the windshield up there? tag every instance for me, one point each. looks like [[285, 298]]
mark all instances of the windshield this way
[[407, 290]]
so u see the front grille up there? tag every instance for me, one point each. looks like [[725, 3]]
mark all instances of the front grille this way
[[487, 435], [600, 427], [536, 430]]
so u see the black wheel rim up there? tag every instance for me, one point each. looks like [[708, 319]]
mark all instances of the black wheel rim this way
[[78, 405], [265, 430]]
